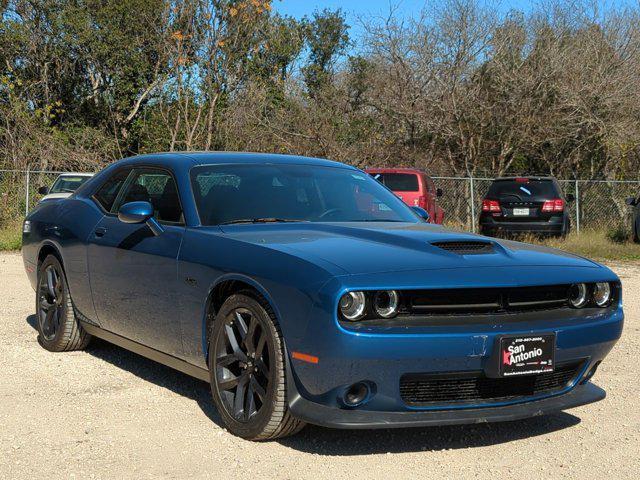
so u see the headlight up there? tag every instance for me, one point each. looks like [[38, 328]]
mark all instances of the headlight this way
[[353, 305], [578, 295], [385, 303], [602, 294]]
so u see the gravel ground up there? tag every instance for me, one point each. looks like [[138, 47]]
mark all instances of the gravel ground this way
[[108, 413]]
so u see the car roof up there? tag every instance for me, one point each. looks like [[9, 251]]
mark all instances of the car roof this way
[[394, 170], [528, 177], [178, 159]]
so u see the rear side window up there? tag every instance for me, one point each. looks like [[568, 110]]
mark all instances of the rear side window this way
[[398, 182], [529, 189], [108, 192]]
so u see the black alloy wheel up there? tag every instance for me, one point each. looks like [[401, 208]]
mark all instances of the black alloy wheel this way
[[58, 328], [51, 303], [243, 360], [247, 369]]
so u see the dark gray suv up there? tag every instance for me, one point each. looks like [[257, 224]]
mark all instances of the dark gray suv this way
[[523, 205]]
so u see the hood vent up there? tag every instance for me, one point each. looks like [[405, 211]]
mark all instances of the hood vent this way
[[463, 247]]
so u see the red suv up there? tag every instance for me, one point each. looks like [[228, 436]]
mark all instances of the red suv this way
[[414, 187]]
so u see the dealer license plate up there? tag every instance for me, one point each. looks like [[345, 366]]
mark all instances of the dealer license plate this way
[[521, 212], [526, 355]]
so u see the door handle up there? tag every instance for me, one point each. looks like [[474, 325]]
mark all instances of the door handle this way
[[100, 231]]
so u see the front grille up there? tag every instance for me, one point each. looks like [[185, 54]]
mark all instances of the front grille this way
[[473, 387], [486, 300], [465, 247]]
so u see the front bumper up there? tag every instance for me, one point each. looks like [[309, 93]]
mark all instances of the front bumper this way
[[381, 356], [324, 416]]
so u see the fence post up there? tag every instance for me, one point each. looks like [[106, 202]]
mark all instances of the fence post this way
[[577, 207], [26, 200], [473, 205]]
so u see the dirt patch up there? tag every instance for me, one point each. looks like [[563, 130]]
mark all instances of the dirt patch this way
[[108, 413]]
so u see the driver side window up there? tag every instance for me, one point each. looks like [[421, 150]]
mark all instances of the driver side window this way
[[159, 189]]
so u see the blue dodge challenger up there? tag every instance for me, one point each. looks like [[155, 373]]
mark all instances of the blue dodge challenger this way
[[305, 291]]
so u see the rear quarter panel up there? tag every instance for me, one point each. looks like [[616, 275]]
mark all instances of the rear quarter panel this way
[[64, 225]]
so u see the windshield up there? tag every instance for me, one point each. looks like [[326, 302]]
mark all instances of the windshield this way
[[68, 184], [239, 193]]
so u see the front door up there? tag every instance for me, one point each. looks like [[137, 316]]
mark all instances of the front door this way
[[133, 272]]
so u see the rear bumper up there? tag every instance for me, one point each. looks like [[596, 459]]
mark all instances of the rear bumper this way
[[489, 227], [31, 271], [322, 415]]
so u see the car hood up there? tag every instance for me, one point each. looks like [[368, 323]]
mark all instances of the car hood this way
[[357, 248]]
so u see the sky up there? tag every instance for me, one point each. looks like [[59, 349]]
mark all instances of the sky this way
[[355, 9]]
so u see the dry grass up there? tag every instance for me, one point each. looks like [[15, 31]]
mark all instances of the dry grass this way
[[10, 236], [595, 245]]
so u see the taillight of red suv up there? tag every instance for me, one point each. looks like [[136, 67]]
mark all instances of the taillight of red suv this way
[[551, 206], [490, 205]]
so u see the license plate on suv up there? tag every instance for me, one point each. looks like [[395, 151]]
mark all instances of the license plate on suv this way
[[521, 212], [526, 355]]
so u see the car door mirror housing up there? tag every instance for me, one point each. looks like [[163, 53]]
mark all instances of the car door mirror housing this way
[[631, 201], [438, 192], [421, 212], [570, 197], [43, 190], [139, 212]]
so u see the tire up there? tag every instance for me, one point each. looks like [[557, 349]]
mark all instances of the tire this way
[[566, 228], [58, 327], [250, 392]]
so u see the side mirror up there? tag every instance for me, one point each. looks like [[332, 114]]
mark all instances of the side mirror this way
[[43, 190], [421, 212], [632, 202], [139, 212], [570, 197], [438, 192]]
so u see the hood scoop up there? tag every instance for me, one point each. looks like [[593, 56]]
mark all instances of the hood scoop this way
[[465, 247]]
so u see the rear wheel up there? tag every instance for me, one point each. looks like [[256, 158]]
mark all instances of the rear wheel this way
[[566, 227], [246, 365], [58, 327]]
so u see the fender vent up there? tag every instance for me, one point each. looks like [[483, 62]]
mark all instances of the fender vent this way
[[465, 247]]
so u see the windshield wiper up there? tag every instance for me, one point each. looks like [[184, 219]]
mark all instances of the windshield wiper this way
[[261, 220]]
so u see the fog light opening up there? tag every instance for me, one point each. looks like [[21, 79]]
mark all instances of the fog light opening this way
[[590, 373], [356, 394]]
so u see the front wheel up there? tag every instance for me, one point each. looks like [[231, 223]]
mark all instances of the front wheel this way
[[58, 327], [246, 365]]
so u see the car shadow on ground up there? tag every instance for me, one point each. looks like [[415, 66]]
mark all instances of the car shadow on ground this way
[[325, 441], [153, 372]]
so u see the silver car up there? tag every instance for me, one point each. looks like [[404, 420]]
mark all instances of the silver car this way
[[64, 186]]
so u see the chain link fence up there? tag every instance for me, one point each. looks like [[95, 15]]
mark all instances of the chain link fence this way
[[598, 204]]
